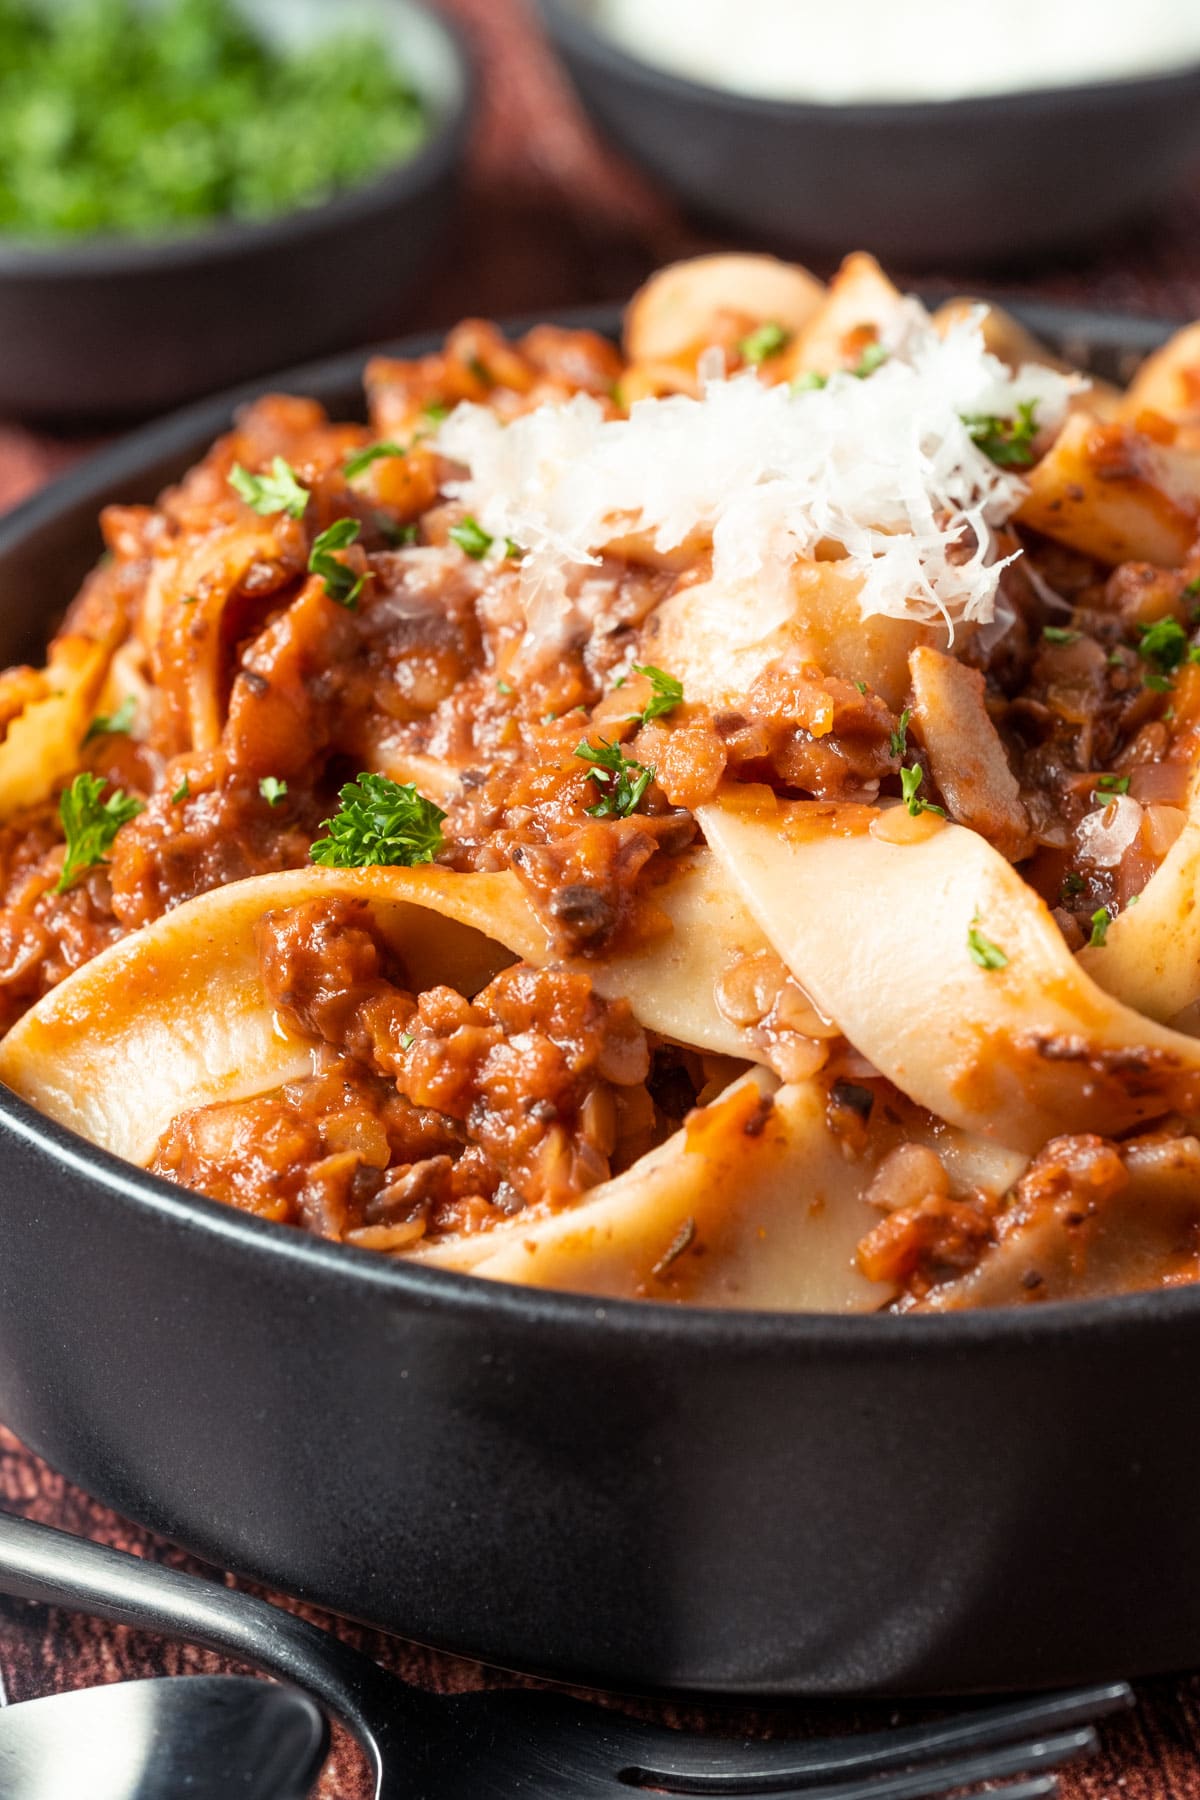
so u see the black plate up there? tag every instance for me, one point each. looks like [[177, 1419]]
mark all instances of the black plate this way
[[630, 1495]]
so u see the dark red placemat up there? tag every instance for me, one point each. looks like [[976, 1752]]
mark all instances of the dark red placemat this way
[[551, 218]]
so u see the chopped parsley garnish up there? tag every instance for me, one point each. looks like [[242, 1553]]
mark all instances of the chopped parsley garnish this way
[[113, 724], [1192, 590], [407, 1040], [188, 599], [361, 461], [1158, 684], [898, 740], [622, 781], [1164, 643], [144, 121], [435, 411], [182, 792], [505, 687], [1112, 784], [1008, 442], [471, 538], [1058, 634], [667, 693], [1072, 883], [1101, 920], [1116, 658], [861, 686], [380, 823], [910, 782], [341, 583], [396, 535], [272, 790], [278, 492], [480, 371], [90, 824], [983, 952], [809, 383], [872, 358], [767, 341]]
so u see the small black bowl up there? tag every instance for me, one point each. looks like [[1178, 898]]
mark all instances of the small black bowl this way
[[109, 328], [967, 181]]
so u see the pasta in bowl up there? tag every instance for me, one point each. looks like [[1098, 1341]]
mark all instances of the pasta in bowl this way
[[712, 821]]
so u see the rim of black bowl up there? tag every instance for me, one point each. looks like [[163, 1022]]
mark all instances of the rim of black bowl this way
[[542, 1309], [117, 254], [569, 27]]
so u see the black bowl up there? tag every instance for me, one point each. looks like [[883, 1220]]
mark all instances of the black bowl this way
[[628, 1495], [981, 180], [108, 328]]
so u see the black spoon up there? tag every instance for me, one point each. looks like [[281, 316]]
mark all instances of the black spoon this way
[[207, 1736]]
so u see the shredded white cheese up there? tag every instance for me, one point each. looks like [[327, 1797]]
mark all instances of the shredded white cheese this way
[[880, 470], [1104, 836]]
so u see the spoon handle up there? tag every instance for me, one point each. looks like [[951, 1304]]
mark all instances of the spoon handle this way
[[38, 1563]]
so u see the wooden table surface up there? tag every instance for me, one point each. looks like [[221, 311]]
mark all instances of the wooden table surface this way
[[552, 218]]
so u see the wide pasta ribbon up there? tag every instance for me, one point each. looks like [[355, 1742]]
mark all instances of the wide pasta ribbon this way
[[947, 972]]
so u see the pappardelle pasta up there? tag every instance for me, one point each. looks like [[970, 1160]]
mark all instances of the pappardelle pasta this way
[[714, 821]]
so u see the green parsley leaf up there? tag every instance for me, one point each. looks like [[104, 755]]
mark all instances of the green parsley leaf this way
[[396, 535], [621, 779], [872, 358], [1112, 784], [90, 824], [1057, 634], [1101, 920], [435, 411], [1158, 684], [182, 792], [809, 383], [341, 584], [1008, 442], [767, 341], [113, 724], [898, 741], [667, 694], [1116, 659], [278, 492], [472, 538], [861, 686], [272, 790], [1192, 590], [188, 599], [380, 823], [513, 550], [910, 782], [361, 461], [505, 687], [1164, 643], [407, 1040], [1072, 884], [480, 371], [983, 951]]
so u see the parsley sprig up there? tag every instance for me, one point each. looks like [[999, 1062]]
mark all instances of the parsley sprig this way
[[475, 542], [341, 583], [1165, 644], [381, 823], [982, 951], [1059, 634], [90, 824], [1008, 442], [278, 492], [898, 739], [621, 779], [361, 461], [118, 724], [273, 790], [768, 340], [666, 696], [910, 782], [1101, 920]]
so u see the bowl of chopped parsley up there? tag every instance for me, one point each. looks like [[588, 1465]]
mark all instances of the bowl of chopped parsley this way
[[193, 191]]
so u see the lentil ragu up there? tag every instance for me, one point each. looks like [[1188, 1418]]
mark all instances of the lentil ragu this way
[[777, 951]]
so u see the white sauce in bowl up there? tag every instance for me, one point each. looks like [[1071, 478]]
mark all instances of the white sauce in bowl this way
[[865, 50]]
